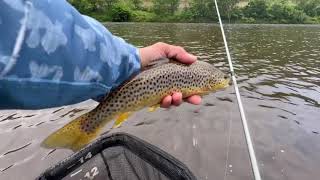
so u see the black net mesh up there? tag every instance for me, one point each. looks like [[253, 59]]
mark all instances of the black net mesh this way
[[123, 165], [119, 157]]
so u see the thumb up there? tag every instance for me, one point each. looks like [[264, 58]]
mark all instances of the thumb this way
[[178, 53], [186, 58]]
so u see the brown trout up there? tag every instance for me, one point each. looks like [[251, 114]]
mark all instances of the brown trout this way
[[147, 89]]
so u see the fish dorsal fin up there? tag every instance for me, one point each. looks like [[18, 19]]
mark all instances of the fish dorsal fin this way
[[156, 63], [118, 88], [160, 62]]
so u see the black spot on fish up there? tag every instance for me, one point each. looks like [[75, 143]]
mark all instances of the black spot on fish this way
[[315, 132], [297, 122]]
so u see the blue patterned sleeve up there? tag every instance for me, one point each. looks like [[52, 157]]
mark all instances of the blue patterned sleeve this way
[[51, 55]]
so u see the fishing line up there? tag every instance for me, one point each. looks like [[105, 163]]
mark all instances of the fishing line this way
[[253, 159]]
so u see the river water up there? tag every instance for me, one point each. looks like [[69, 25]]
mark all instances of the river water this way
[[278, 69]]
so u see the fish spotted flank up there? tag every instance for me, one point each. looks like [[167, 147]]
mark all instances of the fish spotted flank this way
[[147, 89]]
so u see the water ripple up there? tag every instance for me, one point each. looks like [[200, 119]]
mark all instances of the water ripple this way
[[17, 149], [277, 68]]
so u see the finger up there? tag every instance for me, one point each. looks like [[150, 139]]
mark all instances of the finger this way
[[195, 99], [181, 55], [166, 102], [177, 98], [150, 53], [185, 57], [178, 53]]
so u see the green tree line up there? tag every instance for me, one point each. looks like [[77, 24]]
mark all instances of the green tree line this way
[[233, 11]]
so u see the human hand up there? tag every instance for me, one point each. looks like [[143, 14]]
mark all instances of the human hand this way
[[162, 50]]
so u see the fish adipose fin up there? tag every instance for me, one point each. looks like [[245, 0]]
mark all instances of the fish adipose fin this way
[[74, 135], [121, 119]]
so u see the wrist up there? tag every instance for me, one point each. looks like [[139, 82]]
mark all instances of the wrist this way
[[145, 57]]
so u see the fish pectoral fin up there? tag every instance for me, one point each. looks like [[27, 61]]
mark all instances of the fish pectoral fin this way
[[121, 118], [153, 108]]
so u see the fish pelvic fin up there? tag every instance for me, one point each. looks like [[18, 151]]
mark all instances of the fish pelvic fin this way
[[72, 136], [121, 119], [153, 108]]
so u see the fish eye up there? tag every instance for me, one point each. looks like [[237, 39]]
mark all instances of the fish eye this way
[[226, 76]]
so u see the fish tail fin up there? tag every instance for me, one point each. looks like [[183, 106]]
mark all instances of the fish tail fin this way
[[71, 136]]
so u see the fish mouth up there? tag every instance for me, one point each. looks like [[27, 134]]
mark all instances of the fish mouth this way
[[221, 85]]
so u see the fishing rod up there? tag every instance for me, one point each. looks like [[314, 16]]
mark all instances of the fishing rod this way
[[253, 159]]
